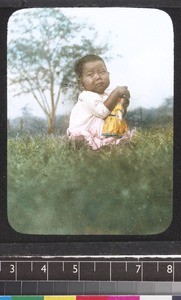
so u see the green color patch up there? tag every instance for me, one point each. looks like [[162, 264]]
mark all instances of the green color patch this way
[[27, 297]]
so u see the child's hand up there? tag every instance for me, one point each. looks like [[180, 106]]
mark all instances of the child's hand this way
[[116, 94], [123, 92], [125, 101]]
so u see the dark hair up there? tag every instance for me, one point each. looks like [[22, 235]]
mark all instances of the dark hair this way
[[78, 68]]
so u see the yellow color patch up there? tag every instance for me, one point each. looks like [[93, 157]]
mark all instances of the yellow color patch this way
[[59, 297]]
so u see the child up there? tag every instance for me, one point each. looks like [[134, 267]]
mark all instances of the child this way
[[95, 103]]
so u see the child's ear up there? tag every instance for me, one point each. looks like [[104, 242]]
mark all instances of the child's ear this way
[[81, 86]]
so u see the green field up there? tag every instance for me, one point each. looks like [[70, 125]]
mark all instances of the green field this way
[[59, 187]]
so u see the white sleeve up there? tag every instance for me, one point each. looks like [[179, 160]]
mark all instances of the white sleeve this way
[[95, 104]]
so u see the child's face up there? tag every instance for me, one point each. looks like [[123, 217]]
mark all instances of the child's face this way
[[95, 77]]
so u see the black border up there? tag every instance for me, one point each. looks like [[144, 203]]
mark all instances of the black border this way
[[166, 243]]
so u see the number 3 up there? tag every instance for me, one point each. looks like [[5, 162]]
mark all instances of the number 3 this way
[[12, 268]]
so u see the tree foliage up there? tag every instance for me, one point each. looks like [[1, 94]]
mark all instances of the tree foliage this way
[[152, 117], [43, 46]]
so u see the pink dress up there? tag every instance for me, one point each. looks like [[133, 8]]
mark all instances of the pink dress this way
[[87, 120]]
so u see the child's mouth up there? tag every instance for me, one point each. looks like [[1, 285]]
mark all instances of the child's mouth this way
[[99, 84]]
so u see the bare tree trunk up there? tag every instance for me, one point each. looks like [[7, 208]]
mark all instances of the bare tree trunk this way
[[51, 124], [51, 117], [21, 124]]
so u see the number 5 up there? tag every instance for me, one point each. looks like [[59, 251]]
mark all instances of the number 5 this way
[[75, 269]]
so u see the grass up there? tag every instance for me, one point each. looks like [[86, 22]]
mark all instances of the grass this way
[[59, 187]]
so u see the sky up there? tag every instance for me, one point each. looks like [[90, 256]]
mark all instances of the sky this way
[[141, 47]]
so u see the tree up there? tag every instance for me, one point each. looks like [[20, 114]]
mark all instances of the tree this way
[[43, 46], [166, 110], [154, 116]]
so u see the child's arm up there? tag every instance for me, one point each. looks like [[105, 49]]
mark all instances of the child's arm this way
[[113, 99]]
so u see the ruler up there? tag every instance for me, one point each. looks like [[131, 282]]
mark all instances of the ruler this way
[[37, 275]]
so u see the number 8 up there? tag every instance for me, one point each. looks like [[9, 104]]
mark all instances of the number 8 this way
[[169, 269]]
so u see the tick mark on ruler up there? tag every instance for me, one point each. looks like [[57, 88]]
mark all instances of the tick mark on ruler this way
[[94, 266], [126, 267], [31, 266], [63, 266], [157, 266]]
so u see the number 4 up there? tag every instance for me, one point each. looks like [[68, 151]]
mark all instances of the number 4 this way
[[44, 269]]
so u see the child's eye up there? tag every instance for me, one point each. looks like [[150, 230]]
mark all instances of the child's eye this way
[[90, 74], [102, 72]]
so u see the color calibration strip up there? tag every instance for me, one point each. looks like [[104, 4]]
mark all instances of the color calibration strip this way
[[145, 297]]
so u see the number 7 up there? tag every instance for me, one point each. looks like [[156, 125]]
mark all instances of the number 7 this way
[[138, 268]]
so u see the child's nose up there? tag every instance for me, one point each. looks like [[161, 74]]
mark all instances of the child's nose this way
[[97, 75]]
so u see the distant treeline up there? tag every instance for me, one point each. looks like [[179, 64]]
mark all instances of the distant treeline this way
[[36, 126], [149, 117], [139, 117]]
